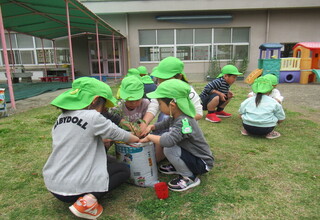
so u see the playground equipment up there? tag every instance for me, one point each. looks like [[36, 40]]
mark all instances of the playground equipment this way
[[303, 67]]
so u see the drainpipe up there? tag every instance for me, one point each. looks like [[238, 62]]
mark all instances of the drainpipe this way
[[128, 42], [267, 26]]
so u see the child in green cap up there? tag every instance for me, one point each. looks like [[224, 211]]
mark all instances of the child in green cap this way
[[78, 171], [169, 68], [275, 93], [261, 113], [184, 144], [149, 85], [217, 94], [134, 106]]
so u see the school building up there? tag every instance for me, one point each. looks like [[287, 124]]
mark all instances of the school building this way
[[196, 31]]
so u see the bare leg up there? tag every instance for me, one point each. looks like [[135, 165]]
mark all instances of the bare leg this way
[[159, 153], [213, 104]]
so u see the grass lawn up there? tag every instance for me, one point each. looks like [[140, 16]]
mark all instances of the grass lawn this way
[[253, 178]]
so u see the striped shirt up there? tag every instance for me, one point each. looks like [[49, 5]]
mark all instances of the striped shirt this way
[[219, 84]]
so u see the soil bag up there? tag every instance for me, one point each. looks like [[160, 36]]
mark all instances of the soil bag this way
[[140, 157]]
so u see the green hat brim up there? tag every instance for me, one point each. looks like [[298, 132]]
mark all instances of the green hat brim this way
[[222, 74], [177, 90], [131, 96], [75, 99]]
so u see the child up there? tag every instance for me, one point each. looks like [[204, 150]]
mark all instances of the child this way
[[275, 93], [143, 70], [184, 144], [261, 113], [169, 68], [217, 94], [134, 106], [149, 85], [77, 170], [131, 72]]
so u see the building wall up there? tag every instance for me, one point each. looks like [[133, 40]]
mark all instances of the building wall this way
[[296, 25], [278, 25]]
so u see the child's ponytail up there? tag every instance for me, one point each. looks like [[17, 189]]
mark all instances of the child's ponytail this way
[[258, 98]]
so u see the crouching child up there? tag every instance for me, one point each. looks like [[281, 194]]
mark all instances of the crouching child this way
[[184, 145]]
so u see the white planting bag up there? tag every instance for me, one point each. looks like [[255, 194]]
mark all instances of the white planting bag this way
[[141, 160]]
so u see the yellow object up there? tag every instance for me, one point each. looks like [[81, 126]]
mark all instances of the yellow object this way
[[253, 75], [305, 77]]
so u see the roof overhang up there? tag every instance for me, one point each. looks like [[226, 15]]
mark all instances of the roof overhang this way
[[48, 18]]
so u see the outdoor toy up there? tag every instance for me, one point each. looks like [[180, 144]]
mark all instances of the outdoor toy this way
[[303, 67]]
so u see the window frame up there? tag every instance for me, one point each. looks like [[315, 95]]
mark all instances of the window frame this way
[[212, 46]]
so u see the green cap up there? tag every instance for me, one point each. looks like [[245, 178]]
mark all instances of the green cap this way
[[179, 91], [84, 90], [273, 79], [133, 72], [154, 69], [229, 69], [146, 79], [131, 88], [262, 85], [168, 68], [142, 70]]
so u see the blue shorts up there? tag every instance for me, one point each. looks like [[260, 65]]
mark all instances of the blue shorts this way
[[205, 100], [195, 164]]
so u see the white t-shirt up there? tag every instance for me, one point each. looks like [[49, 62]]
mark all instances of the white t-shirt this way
[[154, 109]]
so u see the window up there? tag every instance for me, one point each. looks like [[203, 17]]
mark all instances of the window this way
[[194, 44], [147, 37], [27, 50], [24, 41], [184, 52], [201, 52], [240, 35], [241, 51], [222, 35], [27, 56], [184, 36], [203, 36], [165, 37]]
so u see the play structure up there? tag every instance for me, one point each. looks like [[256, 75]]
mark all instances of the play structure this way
[[303, 67]]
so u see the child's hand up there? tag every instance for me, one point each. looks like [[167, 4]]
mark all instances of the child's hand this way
[[147, 130], [230, 95], [143, 126], [222, 97], [107, 143], [145, 139]]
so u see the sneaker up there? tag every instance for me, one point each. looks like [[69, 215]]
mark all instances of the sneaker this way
[[223, 114], [212, 117], [80, 209], [183, 183], [168, 169], [244, 132], [273, 134]]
